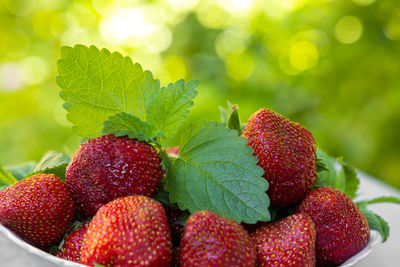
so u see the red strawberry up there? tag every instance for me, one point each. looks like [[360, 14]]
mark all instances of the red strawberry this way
[[71, 248], [109, 167], [289, 242], [287, 153], [39, 208], [212, 240], [128, 231], [342, 230]]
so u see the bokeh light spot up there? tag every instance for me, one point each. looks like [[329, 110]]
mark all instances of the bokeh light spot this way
[[212, 16], [237, 8], [348, 30], [303, 55], [124, 24], [159, 40], [183, 5], [10, 76], [231, 41], [392, 29], [240, 66], [293, 4], [364, 2], [70, 36], [34, 70]]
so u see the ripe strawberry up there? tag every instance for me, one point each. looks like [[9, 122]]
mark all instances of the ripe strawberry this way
[[342, 230], [128, 231], [212, 240], [71, 247], [289, 242], [108, 167], [39, 208], [287, 153]]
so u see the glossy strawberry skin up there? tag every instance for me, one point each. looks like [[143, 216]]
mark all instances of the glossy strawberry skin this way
[[39, 208], [71, 248], [342, 230], [289, 242], [287, 153], [212, 240], [108, 167], [128, 231]]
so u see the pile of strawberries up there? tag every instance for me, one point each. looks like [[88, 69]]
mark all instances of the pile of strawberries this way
[[110, 183]]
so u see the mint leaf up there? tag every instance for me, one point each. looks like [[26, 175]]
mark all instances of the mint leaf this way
[[350, 178], [329, 176], [6, 179], [321, 167], [344, 179], [21, 170], [170, 106], [216, 171], [377, 223], [97, 84], [52, 163], [162, 196], [125, 124]]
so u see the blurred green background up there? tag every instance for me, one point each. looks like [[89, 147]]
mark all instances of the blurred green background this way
[[333, 66]]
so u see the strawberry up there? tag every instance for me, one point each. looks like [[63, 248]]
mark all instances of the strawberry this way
[[128, 231], [342, 230], [289, 242], [212, 240], [287, 153], [71, 247], [109, 167], [39, 208]]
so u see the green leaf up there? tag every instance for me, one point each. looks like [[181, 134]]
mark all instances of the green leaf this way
[[162, 196], [230, 117], [345, 179], [364, 203], [234, 121], [329, 176], [52, 163], [99, 84], [321, 167], [6, 179], [170, 106], [217, 171], [21, 170], [377, 223], [351, 180], [125, 124]]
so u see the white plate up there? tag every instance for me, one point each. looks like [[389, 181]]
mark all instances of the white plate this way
[[40, 258]]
